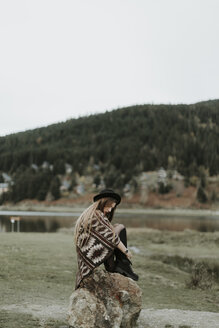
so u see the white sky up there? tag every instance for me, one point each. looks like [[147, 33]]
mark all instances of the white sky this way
[[68, 58]]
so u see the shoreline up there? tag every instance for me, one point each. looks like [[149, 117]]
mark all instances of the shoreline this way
[[67, 210]]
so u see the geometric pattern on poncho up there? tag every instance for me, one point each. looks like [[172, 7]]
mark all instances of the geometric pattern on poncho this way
[[96, 247]]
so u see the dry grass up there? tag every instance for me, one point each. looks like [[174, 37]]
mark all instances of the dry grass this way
[[39, 269]]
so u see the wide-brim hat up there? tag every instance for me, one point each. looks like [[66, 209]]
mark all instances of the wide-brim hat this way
[[108, 193]]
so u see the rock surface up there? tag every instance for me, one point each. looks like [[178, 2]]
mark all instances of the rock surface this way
[[106, 300]]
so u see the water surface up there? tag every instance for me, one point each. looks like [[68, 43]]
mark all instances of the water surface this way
[[31, 221]]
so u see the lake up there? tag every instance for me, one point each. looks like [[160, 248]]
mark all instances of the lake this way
[[30, 221]]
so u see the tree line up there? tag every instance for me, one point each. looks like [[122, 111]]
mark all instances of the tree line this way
[[121, 143]]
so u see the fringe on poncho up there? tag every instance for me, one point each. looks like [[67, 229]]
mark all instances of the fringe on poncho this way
[[96, 247]]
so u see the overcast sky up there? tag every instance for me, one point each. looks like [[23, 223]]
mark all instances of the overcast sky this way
[[61, 59]]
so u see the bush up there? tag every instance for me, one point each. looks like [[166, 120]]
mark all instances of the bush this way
[[164, 188], [193, 181], [41, 195], [182, 263], [97, 180], [201, 195], [201, 277], [54, 188], [213, 196]]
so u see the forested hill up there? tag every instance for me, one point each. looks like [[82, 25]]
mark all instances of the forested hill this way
[[123, 142]]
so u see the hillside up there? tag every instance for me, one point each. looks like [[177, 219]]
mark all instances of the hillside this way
[[114, 147]]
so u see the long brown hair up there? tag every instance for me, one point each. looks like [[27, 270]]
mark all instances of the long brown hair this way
[[103, 202], [85, 219]]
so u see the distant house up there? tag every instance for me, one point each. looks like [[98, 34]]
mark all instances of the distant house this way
[[148, 178], [68, 168], [177, 176], [96, 167], [127, 190], [45, 165], [162, 175], [65, 185], [34, 166], [6, 177], [4, 187], [80, 189]]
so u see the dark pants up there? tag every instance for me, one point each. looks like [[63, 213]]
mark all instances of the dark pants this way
[[117, 255]]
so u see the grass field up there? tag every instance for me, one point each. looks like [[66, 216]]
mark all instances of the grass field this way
[[37, 273]]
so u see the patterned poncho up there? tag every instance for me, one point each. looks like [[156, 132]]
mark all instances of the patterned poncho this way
[[96, 247]]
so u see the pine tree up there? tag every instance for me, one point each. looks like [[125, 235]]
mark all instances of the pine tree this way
[[201, 195], [55, 188]]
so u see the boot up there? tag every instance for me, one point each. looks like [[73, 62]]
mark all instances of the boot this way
[[123, 266], [110, 263]]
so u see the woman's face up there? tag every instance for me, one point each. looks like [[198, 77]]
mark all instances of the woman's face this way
[[108, 208]]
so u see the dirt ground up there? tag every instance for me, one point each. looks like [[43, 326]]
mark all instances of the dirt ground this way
[[149, 318], [174, 318]]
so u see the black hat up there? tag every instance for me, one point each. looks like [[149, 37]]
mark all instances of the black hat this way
[[107, 193]]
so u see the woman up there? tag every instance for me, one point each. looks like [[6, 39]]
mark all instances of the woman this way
[[98, 241]]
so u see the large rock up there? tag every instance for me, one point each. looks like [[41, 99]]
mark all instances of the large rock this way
[[107, 300]]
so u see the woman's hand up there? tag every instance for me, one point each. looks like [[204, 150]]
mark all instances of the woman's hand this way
[[124, 250]]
